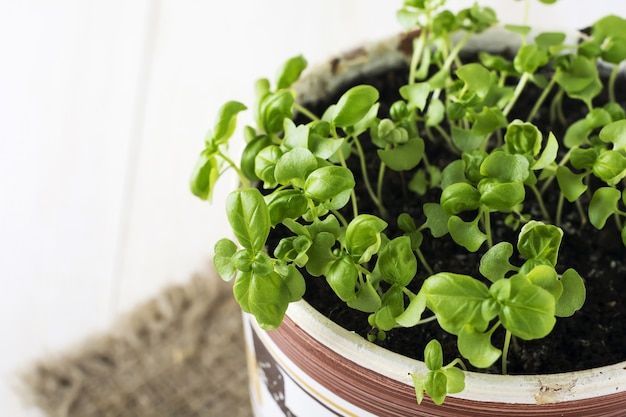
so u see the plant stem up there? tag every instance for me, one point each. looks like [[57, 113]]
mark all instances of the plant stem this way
[[541, 203], [244, 181], [487, 223], [426, 320], [517, 93], [423, 260], [338, 215], [342, 160], [505, 351], [300, 108], [541, 99], [611, 84], [368, 185], [379, 186], [418, 50], [559, 209]]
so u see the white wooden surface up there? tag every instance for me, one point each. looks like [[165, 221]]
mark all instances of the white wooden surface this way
[[103, 108]]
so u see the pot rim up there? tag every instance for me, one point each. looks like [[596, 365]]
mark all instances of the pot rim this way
[[516, 389]]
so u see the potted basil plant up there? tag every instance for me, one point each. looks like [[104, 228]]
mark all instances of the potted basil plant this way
[[446, 200]]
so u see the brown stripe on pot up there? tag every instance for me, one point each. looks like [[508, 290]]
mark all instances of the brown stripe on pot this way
[[355, 370]]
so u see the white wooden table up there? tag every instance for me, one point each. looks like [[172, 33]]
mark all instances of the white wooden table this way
[[103, 109]]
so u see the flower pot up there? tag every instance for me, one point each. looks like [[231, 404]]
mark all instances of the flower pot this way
[[310, 366]]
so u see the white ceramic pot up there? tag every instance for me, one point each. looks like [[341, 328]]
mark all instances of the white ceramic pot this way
[[312, 367]]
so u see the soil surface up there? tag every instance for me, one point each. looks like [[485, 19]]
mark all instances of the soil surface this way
[[594, 336]]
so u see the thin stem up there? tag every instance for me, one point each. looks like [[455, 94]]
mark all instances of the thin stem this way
[[355, 207], [611, 85], [338, 215], [457, 361], [559, 209], [517, 93], [423, 260], [505, 351], [418, 50], [487, 223], [426, 320], [541, 99], [541, 203], [368, 185], [244, 181], [300, 108], [379, 185]]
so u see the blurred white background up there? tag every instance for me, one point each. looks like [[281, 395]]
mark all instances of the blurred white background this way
[[103, 110]]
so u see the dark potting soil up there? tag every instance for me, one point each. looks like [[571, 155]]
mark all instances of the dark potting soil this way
[[592, 337]]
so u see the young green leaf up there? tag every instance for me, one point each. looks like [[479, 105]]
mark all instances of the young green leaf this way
[[342, 275], [416, 95], [226, 122], [538, 240], [367, 299], [397, 262], [529, 311], [204, 175], [268, 299], [459, 197], [363, 238], [501, 196], [248, 156], [615, 133], [466, 234], [573, 296], [505, 167], [294, 166], [285, 204], [477, 348], [327, 182], [249, 218], [354, 104], [290, 71], [602, 205], [413, 312], [456, 300], [403, 157], [610, 167], [476, 78], [274, 109], [224, 250], [436, 219], [495, 264], [571, 185]]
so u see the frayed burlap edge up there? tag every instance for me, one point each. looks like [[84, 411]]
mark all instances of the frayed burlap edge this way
[[180, 354]]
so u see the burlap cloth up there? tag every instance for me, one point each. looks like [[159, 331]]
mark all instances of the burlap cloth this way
[[178, 355]]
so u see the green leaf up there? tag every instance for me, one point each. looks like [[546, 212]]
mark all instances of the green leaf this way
[[268, 299], [466, 140], [547, 40], [456, 379], [505, 167], [327, 182], [529, 311], [435, 113], [226, 122], [354, 104], [571, 185], [274, 109], [294, 166], [602, 205], [248, 156], [501, 196], [367, 299], [529, 58], [583, 158], [224, 250], [433, 355], [249, 218], [342, 275], [477, 348], [419, 382], [487, 121], [466, 234], [522, 138], [476, 78], [615, 133], [538, 240], [413, 312], [392, 305], [459, 197], [545, 276], [416, 95], [265, 164], [241, 290], [397, 262], [324, 147], [579, 78], [363, 238], [403, 157], [610, 167], [436, 219], [436, 386], [290, 71], [285, 204], [204, 175], [494, 264], [573, 296], [456, 300], [549, 153]]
